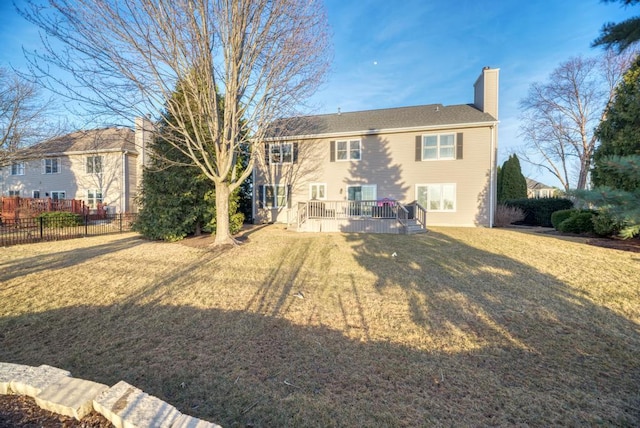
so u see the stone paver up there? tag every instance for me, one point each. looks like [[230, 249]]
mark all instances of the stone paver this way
[[70, 396], [8, 373], [126, 406], [32, 380]]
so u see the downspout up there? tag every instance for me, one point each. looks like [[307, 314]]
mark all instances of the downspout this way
[[492, 175], [123, 203], [253, 195]]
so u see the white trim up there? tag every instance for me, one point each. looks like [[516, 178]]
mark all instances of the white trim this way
[[426, 203], [438, 146], [360, 133]]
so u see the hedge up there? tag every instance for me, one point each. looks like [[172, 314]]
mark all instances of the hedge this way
[[538, 210]]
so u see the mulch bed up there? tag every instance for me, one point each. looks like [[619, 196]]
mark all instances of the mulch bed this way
[[22, 411]]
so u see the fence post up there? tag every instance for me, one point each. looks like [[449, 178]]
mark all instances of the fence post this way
[[120, 222], [41, 221], [86, 225]]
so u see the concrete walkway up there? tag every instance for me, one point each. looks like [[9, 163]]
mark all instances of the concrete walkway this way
[[125, 406]]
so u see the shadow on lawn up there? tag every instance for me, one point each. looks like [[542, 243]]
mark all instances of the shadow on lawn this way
[[545, 357]]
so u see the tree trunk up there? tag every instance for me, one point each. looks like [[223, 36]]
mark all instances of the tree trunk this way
[[223, 234]]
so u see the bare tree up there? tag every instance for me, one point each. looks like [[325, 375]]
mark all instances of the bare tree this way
[[559, 116], [243, 63], [22, 115]]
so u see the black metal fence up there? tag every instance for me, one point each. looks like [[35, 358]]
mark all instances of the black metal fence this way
[[38, 229]]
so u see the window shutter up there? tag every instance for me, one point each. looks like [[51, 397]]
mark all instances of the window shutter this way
[[459, 145], [288, 195], [266, 153], [419, 148], [295, 152], [333, 151], [260, 202]]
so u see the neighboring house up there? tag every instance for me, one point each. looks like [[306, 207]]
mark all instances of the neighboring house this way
[[442, 157], [99, 167], [536, 189]]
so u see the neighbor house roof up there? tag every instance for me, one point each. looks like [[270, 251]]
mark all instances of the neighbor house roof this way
[[536, 185], [372, 121], [95, 140]]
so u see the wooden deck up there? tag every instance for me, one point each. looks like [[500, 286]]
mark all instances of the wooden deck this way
[[382, 216]]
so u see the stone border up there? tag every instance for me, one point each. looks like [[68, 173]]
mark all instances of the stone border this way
[[125, 406]]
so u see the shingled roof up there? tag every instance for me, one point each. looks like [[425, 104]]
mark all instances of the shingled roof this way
[[369, 121], [95, 140]]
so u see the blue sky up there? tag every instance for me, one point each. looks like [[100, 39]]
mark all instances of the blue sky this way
[[412, 52]]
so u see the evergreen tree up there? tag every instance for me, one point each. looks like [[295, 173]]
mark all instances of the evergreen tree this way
[[512, 183], [619, 132], [622, 205], [177, 198], [620, 35], [499, 184]]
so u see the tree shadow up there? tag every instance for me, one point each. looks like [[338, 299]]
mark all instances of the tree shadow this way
[[485, 352]]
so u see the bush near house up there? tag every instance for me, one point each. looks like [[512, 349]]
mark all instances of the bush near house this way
[[60, 219], [605, 224], [506, 215], [581, 221], [560, 216], [538, 211]]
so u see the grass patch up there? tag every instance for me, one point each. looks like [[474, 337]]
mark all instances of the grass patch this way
[[462, 327]]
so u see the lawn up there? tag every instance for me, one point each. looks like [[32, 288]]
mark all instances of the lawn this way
[[464, 327]]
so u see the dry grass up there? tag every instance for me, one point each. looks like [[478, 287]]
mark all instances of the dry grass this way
[[464, 327]]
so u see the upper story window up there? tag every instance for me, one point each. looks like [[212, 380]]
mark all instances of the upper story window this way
[[348, 150], [439, 147], [94, 164], [51, 166], [17, 168], [279, 153]]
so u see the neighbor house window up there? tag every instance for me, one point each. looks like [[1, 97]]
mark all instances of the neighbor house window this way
[[318, 191], [281, 153], [17, 168], [438, 146], [58, 195], [14, 193], [94, 197], [51, 166], [94, 164], [36, 194], [348, 150], [437, 197], [275, 196]]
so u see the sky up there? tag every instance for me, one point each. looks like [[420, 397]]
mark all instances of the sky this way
[[414, 52]]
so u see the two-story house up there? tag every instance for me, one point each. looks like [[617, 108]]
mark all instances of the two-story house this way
[[440, 158], [99, 166]]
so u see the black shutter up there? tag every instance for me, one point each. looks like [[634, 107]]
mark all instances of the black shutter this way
[[332, 145], [288, 195], [260, 201], [266, 153], [459, 145], [419, 148], [295, 152]]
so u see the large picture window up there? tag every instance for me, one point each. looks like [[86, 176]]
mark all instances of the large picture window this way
[[437, 197], [438, 146], [274, 196]]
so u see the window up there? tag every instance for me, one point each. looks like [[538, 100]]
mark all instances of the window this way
[[14, 193], [438, 146], [36, 194], [281, 153], [318, 191], [437, 197], [348, 150], [274, 195], [51, 166], [58, 195], [94, 197], [17, 168], [365, 192], [94, 164]]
